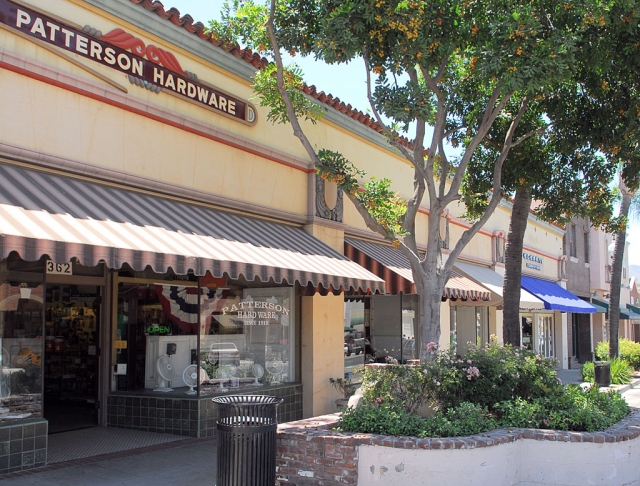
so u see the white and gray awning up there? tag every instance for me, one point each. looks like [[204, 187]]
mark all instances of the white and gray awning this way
[[43, 213], [495, 282]]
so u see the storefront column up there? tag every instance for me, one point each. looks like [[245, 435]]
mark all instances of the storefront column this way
[[322, 354], [562, 344], [332, 236], [445, 325], [495, 323]]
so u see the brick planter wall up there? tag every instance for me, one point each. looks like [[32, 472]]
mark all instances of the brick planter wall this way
[[311, 453]]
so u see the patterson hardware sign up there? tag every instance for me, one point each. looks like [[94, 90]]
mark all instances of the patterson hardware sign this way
[[152, 66]]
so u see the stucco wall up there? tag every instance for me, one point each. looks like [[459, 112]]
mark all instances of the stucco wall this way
[[311, 453], [322, 351]]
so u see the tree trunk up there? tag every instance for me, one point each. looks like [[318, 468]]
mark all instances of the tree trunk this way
[[513, 267], [616, 277], [430, 302]]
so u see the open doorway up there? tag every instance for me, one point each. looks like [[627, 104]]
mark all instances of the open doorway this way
[[71, 357]]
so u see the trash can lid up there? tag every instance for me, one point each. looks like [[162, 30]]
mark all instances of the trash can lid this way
[[247, 400]]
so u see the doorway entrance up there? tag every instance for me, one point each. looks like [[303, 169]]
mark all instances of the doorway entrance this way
[[71, 357]]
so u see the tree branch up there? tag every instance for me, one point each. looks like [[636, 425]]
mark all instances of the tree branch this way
[[291, 114], [393, 139]]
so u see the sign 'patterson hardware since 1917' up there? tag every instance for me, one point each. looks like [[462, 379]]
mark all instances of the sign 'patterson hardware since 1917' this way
[[160, 68]]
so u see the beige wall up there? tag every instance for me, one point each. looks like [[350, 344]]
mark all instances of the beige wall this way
[[322, 352], [524, 462]]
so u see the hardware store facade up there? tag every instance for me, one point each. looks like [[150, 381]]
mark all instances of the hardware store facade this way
[[161, 242]]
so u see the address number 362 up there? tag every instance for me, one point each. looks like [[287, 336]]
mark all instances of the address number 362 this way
[[59, 268]]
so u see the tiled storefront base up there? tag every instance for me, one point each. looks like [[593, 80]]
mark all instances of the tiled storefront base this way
[[23, 446], [193, 417]]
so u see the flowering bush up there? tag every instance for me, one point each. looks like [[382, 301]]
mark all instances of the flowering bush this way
[[492, 386], [490, 374]]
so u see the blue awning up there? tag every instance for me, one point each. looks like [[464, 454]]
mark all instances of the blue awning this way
[[555, 297]]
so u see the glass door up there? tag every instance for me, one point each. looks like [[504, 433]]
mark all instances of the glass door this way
[[526, 331], [546, 336]]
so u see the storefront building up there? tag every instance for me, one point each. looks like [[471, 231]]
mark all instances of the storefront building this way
[[161, 242], [158, 238]]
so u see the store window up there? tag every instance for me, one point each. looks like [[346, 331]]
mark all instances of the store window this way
[[21, 343], [179, 338], [393, 321], [247, 338], [356, 345], [469, 325], [538, 334]]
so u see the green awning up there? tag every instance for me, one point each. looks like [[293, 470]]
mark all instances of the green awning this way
[[632, 312], [634, 308], [600, 308], [601, 304]]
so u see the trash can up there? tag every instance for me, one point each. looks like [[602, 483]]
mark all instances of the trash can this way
[[247, 440], [602, 372]]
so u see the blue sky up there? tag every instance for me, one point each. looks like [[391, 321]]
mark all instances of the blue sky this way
[[344, 81]]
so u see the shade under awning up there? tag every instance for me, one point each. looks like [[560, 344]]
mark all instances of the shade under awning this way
[[391, 265], [556, 297], [63, 217], [495, 283]]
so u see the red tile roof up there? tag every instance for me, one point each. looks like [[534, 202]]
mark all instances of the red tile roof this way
[[250, 57]]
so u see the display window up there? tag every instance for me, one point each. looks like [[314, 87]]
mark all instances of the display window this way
[[21, 343], [387, 324], [201, 338]]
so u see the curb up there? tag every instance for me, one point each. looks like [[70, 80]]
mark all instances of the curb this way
[[622, 388]]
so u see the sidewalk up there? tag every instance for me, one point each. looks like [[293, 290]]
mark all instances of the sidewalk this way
[[191, 463]]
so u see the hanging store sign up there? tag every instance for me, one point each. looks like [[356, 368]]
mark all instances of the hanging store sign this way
[[147, 66]]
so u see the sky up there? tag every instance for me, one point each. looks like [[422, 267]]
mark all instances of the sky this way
[[347, 82]]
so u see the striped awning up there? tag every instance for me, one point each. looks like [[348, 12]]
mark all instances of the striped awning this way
[[556, 297], [391, 265], [495, 283], [43, 213]]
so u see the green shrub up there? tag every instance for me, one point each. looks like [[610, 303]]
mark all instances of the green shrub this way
[[620, 372], [574, 409], [373, 419], [465, 419], [494, 386], [398, 387], [588, 372], [629, 351]]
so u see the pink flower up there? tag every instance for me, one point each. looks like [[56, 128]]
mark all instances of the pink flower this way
[[472, 372], [432, 347], [379, 400], [469, 361]]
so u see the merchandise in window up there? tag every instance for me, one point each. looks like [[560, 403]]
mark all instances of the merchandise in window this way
[[21, 344]]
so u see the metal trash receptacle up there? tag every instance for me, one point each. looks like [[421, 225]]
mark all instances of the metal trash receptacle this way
[[602, 373], [247, 440]]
